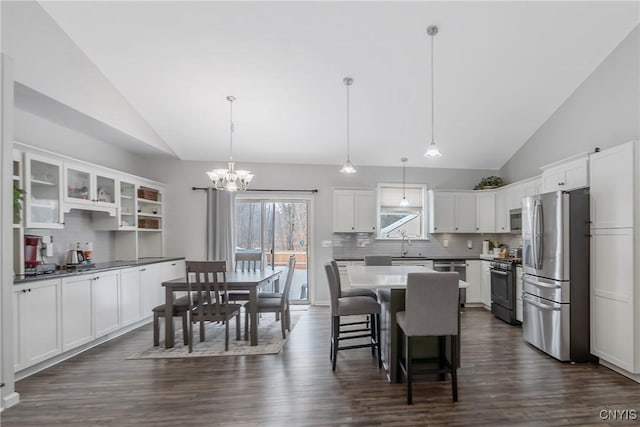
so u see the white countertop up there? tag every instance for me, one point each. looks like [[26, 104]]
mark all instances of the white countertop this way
[[386, 277]]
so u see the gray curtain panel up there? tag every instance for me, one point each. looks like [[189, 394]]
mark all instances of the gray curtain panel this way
[[221, 226]]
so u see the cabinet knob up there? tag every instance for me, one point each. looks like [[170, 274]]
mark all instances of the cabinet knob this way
[[561, 183], [353, 228], [456, 228]]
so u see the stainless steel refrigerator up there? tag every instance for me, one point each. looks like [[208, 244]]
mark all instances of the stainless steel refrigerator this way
[[555, 263]]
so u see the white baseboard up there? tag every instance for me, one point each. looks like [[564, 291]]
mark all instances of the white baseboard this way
[[634, 377], [24, 373], [10, 400]]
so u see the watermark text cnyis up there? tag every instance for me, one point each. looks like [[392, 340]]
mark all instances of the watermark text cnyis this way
[[618, 415]]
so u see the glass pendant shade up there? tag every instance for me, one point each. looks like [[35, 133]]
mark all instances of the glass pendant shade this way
[[348, 168], [432, 151], [404, 202], [230, 179]]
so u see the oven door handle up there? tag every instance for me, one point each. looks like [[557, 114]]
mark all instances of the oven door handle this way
[[501, 273]]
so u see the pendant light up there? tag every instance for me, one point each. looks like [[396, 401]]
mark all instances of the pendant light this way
[[432, 150], [348, 167], [230, 179], [404, 202]]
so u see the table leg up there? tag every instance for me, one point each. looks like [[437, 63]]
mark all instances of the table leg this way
[[276, 288], [253, 314], [168, 318]]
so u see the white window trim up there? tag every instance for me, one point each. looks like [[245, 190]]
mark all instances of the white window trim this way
[[424, 187]]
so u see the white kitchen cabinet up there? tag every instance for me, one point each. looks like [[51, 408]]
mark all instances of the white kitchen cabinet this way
[[354, 211], [465, 213], [615, 238], [485, 284], [503, 223], [612, 188], [474, 278], [613, 329], [461, 211], [566, 174], [77, 315], [486, 211], [130, 296], [88, 188], [127, 219], [36, 322], [105, 294], [168, 271], [441, 212], [149, 288], [43, 187], [519, 293]]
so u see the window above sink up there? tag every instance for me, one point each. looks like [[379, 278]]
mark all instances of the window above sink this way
[[396, 222]]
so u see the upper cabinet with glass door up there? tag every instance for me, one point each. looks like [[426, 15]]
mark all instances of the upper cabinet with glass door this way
[[127, 211], [89, 189], [43, 178]]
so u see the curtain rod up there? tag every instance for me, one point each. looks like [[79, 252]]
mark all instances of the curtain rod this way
[[257, 189]]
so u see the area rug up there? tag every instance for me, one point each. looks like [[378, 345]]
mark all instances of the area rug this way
[[269, 340]]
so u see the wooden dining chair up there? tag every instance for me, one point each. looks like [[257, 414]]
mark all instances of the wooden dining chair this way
[[208, 300], [180, 308], [431, 303], [246, 261], [249, 261], [278, 302]]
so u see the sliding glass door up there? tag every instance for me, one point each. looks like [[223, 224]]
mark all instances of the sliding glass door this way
[[277, 228]]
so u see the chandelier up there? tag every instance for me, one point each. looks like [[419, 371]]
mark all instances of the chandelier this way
[[230, 179]]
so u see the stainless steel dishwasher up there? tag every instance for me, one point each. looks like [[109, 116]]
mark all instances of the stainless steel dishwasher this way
[[459, 266]]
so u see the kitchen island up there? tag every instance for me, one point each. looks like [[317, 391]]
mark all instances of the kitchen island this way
[[390, 284]]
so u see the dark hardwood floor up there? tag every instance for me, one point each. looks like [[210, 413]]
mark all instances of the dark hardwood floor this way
[[502, 381]]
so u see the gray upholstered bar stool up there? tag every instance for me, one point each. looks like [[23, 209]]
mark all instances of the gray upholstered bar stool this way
[[360, 292], [345, 293], [431, 309], [351, 306]]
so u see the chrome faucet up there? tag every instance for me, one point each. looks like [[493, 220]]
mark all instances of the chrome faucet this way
[[405, 238]]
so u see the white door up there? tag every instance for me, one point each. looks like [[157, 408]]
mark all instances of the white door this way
[[465, 212]]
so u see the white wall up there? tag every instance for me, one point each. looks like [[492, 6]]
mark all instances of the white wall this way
[[603, 112], [38, 132], [47, 60], [185, 209]]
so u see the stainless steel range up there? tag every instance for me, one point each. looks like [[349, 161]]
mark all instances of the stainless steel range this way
[[503, 290]]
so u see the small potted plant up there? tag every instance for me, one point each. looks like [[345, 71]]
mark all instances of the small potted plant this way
[[489, 182], [18, 198]]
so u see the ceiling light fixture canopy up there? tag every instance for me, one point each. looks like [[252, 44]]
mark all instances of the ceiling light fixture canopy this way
[[432, 150], [347, 167], [230, 179], [404, 202]]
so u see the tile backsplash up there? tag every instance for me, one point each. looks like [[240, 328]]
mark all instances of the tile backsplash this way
[[78, 227], [357, 245]]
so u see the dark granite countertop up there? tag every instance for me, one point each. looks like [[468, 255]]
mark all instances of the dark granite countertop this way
[[100, 266]]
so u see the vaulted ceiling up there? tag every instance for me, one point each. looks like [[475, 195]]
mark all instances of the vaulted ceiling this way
[[501, 70]]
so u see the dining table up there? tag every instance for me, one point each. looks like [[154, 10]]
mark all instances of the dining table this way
[[390, 283], [251, 281]]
